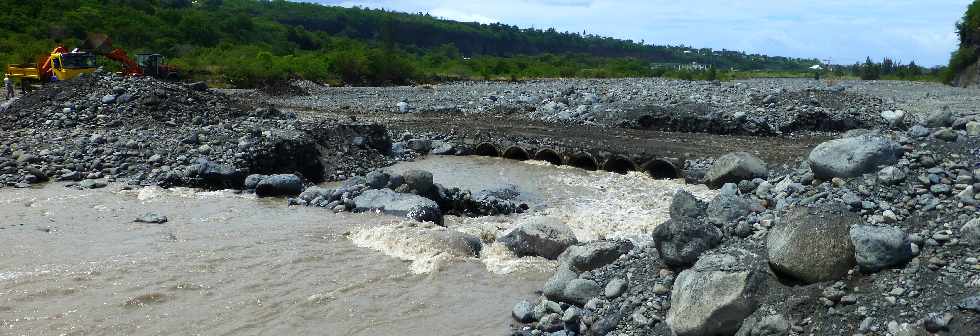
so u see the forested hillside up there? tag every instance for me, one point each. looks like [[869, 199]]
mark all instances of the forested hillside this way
[[247, 42], [966, 56]]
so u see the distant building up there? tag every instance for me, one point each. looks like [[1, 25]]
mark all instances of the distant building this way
[[693, 66]]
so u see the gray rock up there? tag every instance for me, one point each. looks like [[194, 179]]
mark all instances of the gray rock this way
[[554, 288], [852, 157], [593, 255], [151, 218], [681, 241], [213, 175], [735, 167], [418, 181], [615, 288], [973, 128], [946, 134], [411, 206], [442, 148], [813, 245], [891, 175], [279, 185], [878, 248], [970, 233], [541, 236], [717, 294], [580, 291], [918, 131], [108, 99], [774, 325], [421, 146], [505, 192], [377, 179], [253, 180], [92, 184], [971, 303], [685, 205], [893, 118], [727, 208], [522, 312], [942, 118]]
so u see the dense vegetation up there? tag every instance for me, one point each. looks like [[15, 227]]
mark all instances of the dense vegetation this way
[[969, 50], [249, 42]]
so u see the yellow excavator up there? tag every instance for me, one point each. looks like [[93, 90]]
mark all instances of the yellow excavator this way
[[61, 64]]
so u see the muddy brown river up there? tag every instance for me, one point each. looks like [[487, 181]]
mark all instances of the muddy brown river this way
[[73, 262]]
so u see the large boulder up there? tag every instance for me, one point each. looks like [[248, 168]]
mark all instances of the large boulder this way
[[681, 242], [813, 244], [419, 182], [717, 294], [687, 234], [554, 288], [545, 237], [411, 206], [212, 175], [593, 255], [735, 167], [850, 157], [941, 118], [279, 185], [880, 247]]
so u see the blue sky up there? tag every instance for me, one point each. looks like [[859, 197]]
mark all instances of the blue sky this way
[[842, 30]]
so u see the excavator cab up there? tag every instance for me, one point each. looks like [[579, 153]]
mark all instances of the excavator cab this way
[[151, 64], [65, 66]]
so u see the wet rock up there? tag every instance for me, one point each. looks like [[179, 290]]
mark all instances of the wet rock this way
[[215, 176], [377, 179], [554, 288], [253, 180], [852, 157], [418, 181], [580, 291], [501, 191], [399, 204], [279, 185], [813, 244], [151, 218], [717, 294], [522, 312], [546, 237], [593, 255], [878, 248], [91, 184], [735, 167]]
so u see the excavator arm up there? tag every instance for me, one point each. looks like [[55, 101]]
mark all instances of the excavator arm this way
[[130, 67]]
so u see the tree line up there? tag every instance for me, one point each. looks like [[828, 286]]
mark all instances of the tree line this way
[[251, 42]]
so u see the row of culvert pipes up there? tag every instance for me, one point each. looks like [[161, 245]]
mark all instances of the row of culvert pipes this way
[[659, 168]]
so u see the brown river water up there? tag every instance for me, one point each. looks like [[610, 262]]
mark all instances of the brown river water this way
[[73, 262]]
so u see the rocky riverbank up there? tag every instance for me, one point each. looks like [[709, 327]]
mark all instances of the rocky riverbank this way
[[875, 233], [752, 107], [102, 128]]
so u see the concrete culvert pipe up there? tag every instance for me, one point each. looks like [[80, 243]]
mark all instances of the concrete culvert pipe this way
[[548, 155], [583, 160], [661, 169], [487, 149], [517, 153], [618, 164]]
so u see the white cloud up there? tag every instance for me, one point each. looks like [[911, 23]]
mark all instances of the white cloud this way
[[845, 30]]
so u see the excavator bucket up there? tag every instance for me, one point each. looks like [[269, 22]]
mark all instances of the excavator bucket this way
[[98, 43]]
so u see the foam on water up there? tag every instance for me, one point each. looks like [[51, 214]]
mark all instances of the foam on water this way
[[595, 205], [427, 246]]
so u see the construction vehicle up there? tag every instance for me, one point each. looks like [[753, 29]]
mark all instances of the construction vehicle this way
[[148, 64], [60, 64]]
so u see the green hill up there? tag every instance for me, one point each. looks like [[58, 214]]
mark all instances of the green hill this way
[[248, 42], [963, 64]]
